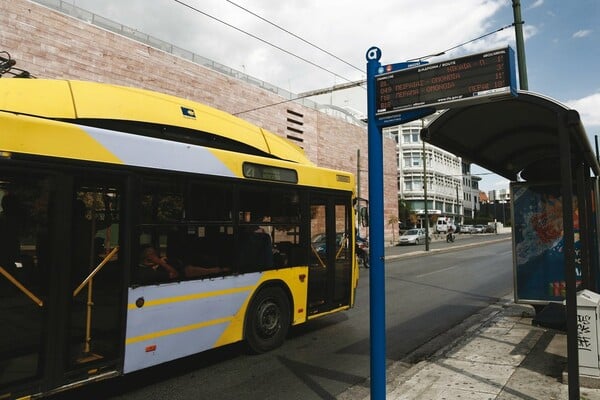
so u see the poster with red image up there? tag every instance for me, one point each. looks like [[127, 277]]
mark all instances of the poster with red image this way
[[538, 242]]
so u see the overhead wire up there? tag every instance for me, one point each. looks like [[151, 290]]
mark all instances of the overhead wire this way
[[261, 39], [272, 104], [480, 37], [296, 36]]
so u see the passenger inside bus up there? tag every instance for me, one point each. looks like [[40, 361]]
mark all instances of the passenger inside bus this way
[[155, 269], [256, 251]]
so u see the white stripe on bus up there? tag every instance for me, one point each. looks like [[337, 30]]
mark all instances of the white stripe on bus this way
[[156, 153], [181, 318]]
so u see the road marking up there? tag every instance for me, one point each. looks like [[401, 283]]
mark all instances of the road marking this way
[[435, 272]]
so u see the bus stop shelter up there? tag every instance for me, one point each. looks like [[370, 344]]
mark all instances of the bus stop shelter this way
[[533, 138]]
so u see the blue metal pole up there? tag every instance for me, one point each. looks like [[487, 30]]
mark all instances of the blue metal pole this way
[[376, 239]]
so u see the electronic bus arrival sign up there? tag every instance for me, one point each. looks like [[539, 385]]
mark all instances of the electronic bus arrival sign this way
[[466, 80]]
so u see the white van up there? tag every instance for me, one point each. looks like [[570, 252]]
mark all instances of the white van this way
[[442, 225]]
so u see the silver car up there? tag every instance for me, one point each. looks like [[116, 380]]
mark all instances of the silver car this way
[[413, 236], [478, 229]]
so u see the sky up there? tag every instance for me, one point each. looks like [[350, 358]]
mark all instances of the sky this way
[[562, 41]]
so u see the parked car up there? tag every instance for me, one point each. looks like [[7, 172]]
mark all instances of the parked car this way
[[319, 241], [442, 225], [467, 229], [478, 229], [413, 236], [489, 229]]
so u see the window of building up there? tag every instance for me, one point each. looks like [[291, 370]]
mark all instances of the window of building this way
[[413, 183], [412, 160]]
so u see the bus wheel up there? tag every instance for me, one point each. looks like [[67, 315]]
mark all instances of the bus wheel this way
[[267, 320]]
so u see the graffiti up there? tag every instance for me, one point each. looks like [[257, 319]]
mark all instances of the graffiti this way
[[584, 332]]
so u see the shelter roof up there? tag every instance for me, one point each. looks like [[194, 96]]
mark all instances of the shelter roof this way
[[517, 138]]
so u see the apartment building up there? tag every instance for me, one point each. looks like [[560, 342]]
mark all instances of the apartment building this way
[[451, 189]]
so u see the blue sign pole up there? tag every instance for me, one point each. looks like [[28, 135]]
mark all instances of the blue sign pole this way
[[376, 239], [377, 74]]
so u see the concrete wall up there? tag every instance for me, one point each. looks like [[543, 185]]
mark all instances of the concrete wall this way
[[50, 44]]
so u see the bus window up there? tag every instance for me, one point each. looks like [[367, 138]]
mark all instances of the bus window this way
[[210, 202], [192, 235], [162, 202], [92, 227], [274, 213]]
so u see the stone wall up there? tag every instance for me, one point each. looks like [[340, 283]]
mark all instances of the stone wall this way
[[50, 44]]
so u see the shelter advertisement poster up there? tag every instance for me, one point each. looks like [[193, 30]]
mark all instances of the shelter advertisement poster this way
[[539, 258]]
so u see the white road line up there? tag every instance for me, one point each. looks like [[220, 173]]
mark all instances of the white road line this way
[[435, 272]]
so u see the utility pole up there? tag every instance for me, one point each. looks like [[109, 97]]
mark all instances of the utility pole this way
[[457, 207], [426, 217], [358, 214], [518, 22]]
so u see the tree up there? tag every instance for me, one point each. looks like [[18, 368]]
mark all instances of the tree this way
[[393, 221], [403, 212]]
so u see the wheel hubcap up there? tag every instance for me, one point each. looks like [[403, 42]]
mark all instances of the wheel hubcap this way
[[268, 319]]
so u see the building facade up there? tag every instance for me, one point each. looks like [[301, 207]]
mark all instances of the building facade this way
[[443, 173], [471, 200]]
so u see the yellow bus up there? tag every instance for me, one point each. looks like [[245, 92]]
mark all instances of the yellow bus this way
[[137, 228]]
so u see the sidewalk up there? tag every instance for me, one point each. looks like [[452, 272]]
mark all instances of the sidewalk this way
[[502, 357], [497, 354]]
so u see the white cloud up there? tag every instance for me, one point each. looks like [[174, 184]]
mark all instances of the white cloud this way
[[536, 4], [582, 33], [589, 110], [588, 107], [500, 183]]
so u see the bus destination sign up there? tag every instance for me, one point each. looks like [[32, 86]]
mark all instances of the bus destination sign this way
[[458, 82]]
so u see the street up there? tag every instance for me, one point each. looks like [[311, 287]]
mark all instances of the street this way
[[426, 295]]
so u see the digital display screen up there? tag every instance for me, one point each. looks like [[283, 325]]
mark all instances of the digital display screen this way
[[473, 78], [269, 173]]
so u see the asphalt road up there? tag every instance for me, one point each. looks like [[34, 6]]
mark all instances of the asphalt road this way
[[426, 295]]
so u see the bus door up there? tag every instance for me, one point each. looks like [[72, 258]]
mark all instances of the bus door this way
[[61, 280], [330, 268], [24, 294], [95, 304]]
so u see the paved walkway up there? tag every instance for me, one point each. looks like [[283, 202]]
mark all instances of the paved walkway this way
[[502, 357]]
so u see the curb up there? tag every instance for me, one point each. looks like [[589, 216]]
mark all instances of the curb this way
[[444, 250]]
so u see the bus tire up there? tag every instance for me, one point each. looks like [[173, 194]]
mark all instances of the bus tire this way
[[267, 320]]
